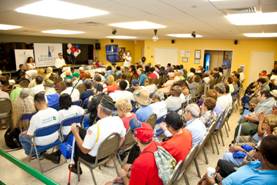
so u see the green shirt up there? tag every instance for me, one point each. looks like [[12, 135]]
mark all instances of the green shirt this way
[[15, 93]]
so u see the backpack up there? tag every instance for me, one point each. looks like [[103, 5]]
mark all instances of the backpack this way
[[12, 138], [165, 164]]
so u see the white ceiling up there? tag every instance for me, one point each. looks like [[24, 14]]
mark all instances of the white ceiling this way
[[180, 16]]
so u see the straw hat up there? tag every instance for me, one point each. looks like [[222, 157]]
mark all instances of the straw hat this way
[[142, 97]]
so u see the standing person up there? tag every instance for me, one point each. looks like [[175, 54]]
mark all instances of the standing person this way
[[127, 59], [60, 62], [30, 63]]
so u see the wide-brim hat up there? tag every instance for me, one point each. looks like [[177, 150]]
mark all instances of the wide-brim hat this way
[[142, 97]]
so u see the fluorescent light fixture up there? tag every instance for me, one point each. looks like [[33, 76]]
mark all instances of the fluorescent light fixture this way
[[120, 37], [62, 32], [60, 9], [258, 18], [183, 35], [9, 27], [138, 25], [262, 35]]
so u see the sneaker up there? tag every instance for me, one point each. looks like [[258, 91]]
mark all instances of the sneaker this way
[[54, 157], [73, 168]]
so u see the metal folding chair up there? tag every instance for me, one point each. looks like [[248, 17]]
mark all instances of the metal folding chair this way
[[5, 112], [70, 121], [25, 120], [106, 151], [152, 120], [176, 173], [40, 132], [78, 102], [126, 146]]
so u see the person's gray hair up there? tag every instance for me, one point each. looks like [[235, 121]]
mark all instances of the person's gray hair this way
[[105, 110], [194, 109], [25, 92]]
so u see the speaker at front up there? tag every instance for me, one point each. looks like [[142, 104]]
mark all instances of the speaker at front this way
[[97, 46]]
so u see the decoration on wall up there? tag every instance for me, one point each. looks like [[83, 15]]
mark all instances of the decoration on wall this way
[[72, 52], [197, 54], [196, 61], [185, 59]]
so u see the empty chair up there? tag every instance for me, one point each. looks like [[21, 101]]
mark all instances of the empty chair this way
[[5, 111], [107, 150]]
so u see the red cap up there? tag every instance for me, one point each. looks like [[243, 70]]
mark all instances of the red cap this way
[[144, 133]]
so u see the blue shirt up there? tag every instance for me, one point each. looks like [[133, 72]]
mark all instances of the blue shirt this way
[[143, 113], [250, 175], [142, 79]]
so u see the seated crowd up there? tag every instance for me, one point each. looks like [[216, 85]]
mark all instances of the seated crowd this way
[[122, 100]]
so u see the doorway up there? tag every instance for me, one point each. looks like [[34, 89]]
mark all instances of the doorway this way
[[218, 58]]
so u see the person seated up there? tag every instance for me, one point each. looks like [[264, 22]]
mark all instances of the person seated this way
[[145, 110], [88, 141], [261, 171], [223, 102], [158, 104], [144, 170], [72, 91], [88, 90], [207, 114], [111, 84], [45, 116], [124, 108], [196, 87], [180, 143], [193, 123], [122, 93], [174, 102], [51, 94], [38, 87], [152, 75], [185, 95], [142, 76], [17, 89], [23, 104], [249, 123]]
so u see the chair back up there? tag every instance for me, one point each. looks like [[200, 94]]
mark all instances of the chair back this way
[[190, 157], [108, 147], [48, 130], [70, 121], [160, 120], [176, 173], [128, 142], [78, 102], [152, 120], [55, 106], [27, 116], [5, 107], [85, 103]]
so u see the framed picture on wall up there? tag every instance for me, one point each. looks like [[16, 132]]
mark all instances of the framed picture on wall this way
[[185, 59], [196, 61], [197, 54]]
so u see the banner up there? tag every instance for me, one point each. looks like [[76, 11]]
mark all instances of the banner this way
[[21, 56], [46, 53]]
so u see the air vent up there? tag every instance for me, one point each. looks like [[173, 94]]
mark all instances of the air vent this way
[[90, 23], [241, 10]]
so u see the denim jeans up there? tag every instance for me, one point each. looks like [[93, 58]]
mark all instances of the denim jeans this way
[[26, 143]]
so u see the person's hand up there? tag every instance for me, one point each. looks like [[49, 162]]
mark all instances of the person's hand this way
[[122, 173], [163, 126], [74, 129], [261, 117], [246, 117], [234, 148], [210, 180]]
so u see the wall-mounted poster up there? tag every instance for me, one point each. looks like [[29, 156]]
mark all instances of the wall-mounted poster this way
[[46, 53], [112, 54], [197, 54], [21, 56]]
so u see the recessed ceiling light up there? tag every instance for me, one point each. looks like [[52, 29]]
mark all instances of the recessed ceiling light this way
[[138, 25], [120, 37], [262, 35], [184, 35], [62, 32], [258, 18], [60, 9], [9, 27]]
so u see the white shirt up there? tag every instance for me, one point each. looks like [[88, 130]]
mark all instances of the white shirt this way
[[106, 126], [74, 110], [75, 94], [223, 102], [127, 61], [36, 89], [118, 94], [41, 119], [159, 108], [59, 62], [4, 94], [197, 129], [184, 98], [173, 103], [150, 88]]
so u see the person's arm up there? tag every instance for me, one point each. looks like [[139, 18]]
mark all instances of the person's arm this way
[[260, 126], [251, 118], [78, 139]]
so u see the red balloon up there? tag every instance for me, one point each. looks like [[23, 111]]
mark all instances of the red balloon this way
[[73, 49]]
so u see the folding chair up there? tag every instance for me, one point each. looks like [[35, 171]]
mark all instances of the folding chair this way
[[106, 151], [25, 120], [85, 103], [126, 146], [40, 132], [220, 124], [190, 157], [55, 106], [78, 102], [152, 120], [70, 121], [176, 173], [5, 112]]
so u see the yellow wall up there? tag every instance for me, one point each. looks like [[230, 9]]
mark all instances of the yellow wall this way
[[241, 52]]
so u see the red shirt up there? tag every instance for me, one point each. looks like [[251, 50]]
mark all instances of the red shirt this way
[[152, 76], [144, 170], [179, 145], [126, 120], [111, 88]]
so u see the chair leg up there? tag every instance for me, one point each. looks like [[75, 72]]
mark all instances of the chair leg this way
[[217, 137], [93, 177], [116, 169], [229, 128], [186, 178], [37, 156], [197, 168], [216, 146], [205, 155], [227, 134], [212, 145], [78, 171], [221, 135]]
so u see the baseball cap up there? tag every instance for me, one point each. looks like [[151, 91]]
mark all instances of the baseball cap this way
[[144, 133], [134, 124], [107, 102]]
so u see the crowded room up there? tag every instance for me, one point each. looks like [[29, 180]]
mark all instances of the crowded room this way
[[151, 92]]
